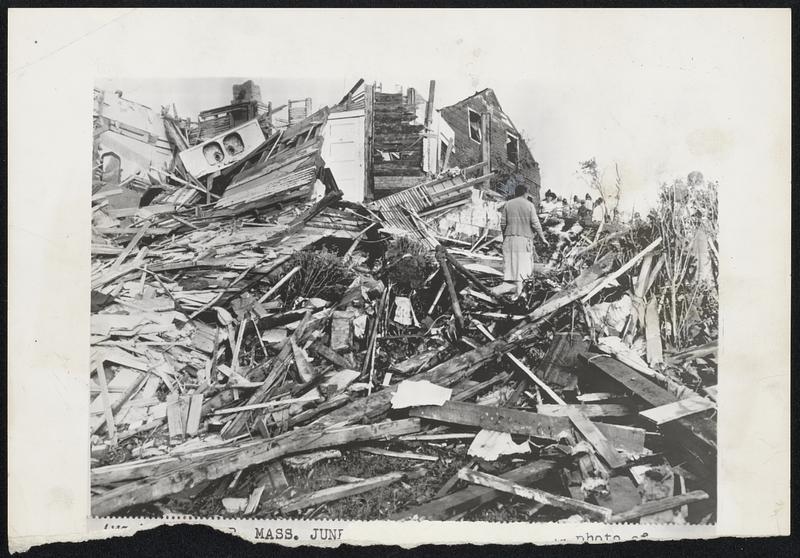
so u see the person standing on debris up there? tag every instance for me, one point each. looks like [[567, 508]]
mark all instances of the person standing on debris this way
[[518, 221]]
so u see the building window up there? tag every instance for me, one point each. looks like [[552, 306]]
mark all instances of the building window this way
[[474, 125], [512, 148]]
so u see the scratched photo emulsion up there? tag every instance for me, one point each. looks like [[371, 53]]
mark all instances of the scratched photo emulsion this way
[[361, 300]]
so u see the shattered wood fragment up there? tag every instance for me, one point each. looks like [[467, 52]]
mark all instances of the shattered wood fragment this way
[[339, 492], [590, 511], [172, 476], [465, 500], [304, 369], [593, 435], [696, 434], [560, 364], [656, 506], [676, 410], [195, 409], [451, 289], [306, 461], [400, 454], [519, 364], [107, 411], [329, 354], [494, 418], [588, 410]]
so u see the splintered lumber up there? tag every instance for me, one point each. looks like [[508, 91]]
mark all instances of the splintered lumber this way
[[696, 434], [109, 414], [400, 454], [195, 410], [625, 439], [678, 409], [441, 257], [559, 365], [340, 491], [656, 506], [444, 374], [469, 276], [465, 500], [276, 371], [175, 475], [267, 405], [304, 370], [593, 435], [330, 355], [306, 461], [590, 511], [519, 364], [589, 410], [605, 281], [131, 245], [495, 418], [653, 333], [279, 284]]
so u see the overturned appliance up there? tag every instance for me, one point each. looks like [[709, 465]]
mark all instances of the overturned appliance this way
[[222, 151]]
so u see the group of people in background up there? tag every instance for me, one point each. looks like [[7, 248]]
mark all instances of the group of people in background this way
[[585, 211]]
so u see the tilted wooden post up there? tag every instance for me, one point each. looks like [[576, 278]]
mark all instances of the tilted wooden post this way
[[369, 119]]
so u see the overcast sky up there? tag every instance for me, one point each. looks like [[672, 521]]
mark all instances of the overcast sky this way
[[659, 93]]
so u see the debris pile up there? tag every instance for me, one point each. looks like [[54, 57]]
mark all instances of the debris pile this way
[[267, 349]]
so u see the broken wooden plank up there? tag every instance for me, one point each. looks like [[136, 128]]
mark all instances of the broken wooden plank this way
[[279, 284], [465, 500], [656, 506], [339, 492], [652, 330], [696, 434], [596, 438], [441, 257], [195, 411], [400, 454], [677, 409], [175, 475], [559, 366], [605, 281], [495, 418], [589, 410], [109, 414], [519, 364], [329, 354], [590, 511], [306, 461]]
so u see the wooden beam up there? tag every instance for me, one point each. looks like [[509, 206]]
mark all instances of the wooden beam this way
[[605, 281], [175, 475], [451, 288], [110, 425], [429, 106], [656, 506], [590, 511], [677, 410], [596, 438], [339, 492], [696, 434], [400, 454], [474, 496], [591, 410], [369, 138], [494, 418], [519, 364]]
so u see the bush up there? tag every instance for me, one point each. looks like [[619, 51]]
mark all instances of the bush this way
[[322, 274]]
